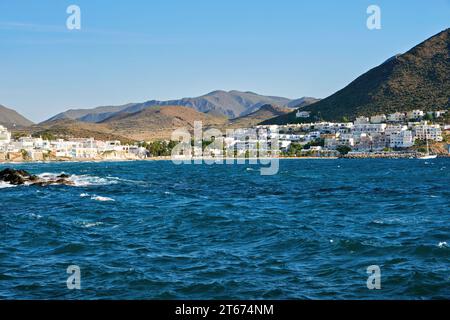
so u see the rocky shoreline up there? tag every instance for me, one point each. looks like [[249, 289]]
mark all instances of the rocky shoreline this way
[[168, 158], [21, 177]]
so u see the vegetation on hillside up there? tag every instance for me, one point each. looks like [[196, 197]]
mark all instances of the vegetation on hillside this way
[[418, 79]]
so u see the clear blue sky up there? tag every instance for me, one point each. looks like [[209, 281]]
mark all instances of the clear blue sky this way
[[132, 51]]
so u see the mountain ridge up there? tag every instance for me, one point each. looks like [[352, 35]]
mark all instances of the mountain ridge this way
[[11, 118], [232, 104], [417, 79]]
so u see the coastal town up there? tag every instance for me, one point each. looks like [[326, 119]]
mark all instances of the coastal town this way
[[401, 134]]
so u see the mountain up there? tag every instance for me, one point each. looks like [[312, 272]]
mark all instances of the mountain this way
[[302, 102], [159, 122], [266, 112], [418, 79], [66, 128], [152, 123], [10, 118], [231, 104]]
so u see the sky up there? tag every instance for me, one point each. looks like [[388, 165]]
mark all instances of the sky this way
[[136, 50]]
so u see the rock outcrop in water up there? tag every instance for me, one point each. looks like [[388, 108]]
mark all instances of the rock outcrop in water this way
[[21, 177]]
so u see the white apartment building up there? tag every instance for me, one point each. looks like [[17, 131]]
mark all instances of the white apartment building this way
[[331, 141], [369, 127], [5, 136], [427, 131], [303, 114], [394, 128], [401, 139], [380, 118], [440, 113], [396, 117], [346, 139], [415, 114], [362, 120]]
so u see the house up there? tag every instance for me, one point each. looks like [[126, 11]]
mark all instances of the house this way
[[284, 144], [427, 131], [331, 141], [401, 139], [303, 114], [394, 128], [5, 136], [440, 113], [361, 120], [396, 117], [346, 139], [378, 118], [369, 127], [415, 114]]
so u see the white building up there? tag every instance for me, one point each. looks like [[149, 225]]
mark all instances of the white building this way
[[394, 128], [331, 141], [396, 117], [401, 139], [439, 113], [427, 131], [415, 114], [380, 118], [361, 120], [303, 114], [5, 136], [369, 127], [346, 139]]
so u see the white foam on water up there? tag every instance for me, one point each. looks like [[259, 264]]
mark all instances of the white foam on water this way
[[103, 199], [84, 195], [91, 224], [86, 180], [443, 245], [80, 180], [4, 185]]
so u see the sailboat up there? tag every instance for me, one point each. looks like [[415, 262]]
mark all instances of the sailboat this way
[[427, 155]]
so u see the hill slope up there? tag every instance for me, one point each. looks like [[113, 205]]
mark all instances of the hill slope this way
[[159, 122], [418, 79], [266, 112], [66, 128], [231, 104], [10, 118]]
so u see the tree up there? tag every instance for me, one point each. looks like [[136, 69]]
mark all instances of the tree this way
[[428, 117], [343, 150]]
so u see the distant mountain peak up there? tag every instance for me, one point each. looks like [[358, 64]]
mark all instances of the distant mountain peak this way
[[232, 104], [417, 79], [12, 119]]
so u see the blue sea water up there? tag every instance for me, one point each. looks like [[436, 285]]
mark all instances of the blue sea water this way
[[154, 230]]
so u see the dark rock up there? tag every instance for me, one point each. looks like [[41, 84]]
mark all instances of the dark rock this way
[[16, 177], [20, 177]]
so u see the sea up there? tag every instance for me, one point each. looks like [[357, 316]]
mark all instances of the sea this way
[[319, 229]]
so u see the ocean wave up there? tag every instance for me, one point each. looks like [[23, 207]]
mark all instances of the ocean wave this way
[[4, 185], [96, 198], [80, 180], [102, 199], [91, 224], [443, 245]]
